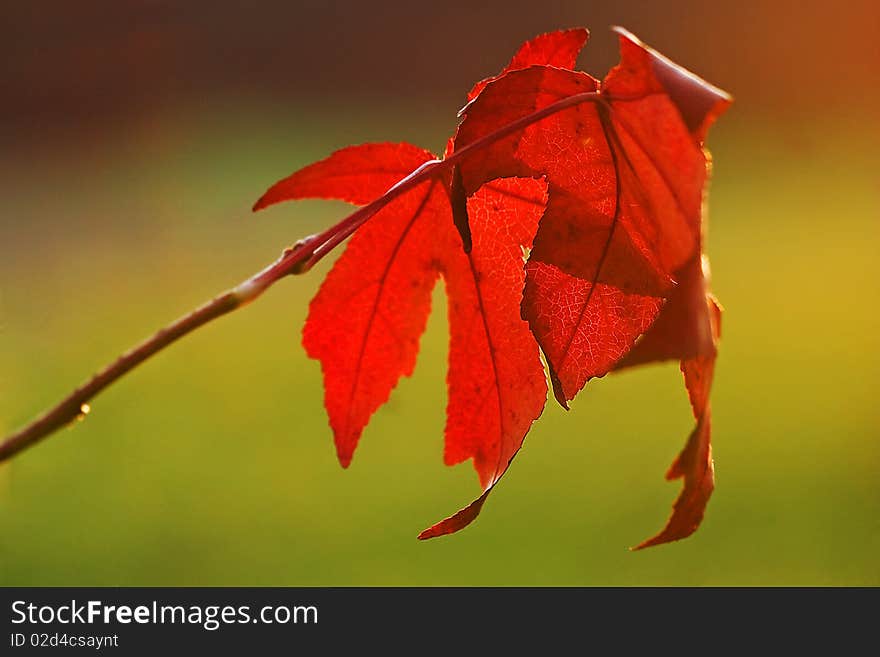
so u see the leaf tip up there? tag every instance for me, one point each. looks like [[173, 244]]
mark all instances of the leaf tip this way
[[344, 458], [458, 203], [666, 536], [699, 102], [261, 203], [558, 392], [457, 521]]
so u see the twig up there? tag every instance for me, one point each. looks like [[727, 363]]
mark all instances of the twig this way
[[295, 260]]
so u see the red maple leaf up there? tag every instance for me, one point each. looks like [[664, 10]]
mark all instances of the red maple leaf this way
[[566, 215]]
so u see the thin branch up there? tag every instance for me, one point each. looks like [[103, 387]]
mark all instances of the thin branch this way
[[295, 260], [76, 403]]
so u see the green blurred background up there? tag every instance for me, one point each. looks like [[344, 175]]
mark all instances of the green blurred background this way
[[137, 134]]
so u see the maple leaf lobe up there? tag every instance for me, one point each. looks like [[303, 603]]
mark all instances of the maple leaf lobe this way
[[699, 102]]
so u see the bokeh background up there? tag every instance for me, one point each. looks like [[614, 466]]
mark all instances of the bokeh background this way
[[135, 136]]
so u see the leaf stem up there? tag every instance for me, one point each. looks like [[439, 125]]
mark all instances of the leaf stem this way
[[295, 260], [433, 168]]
